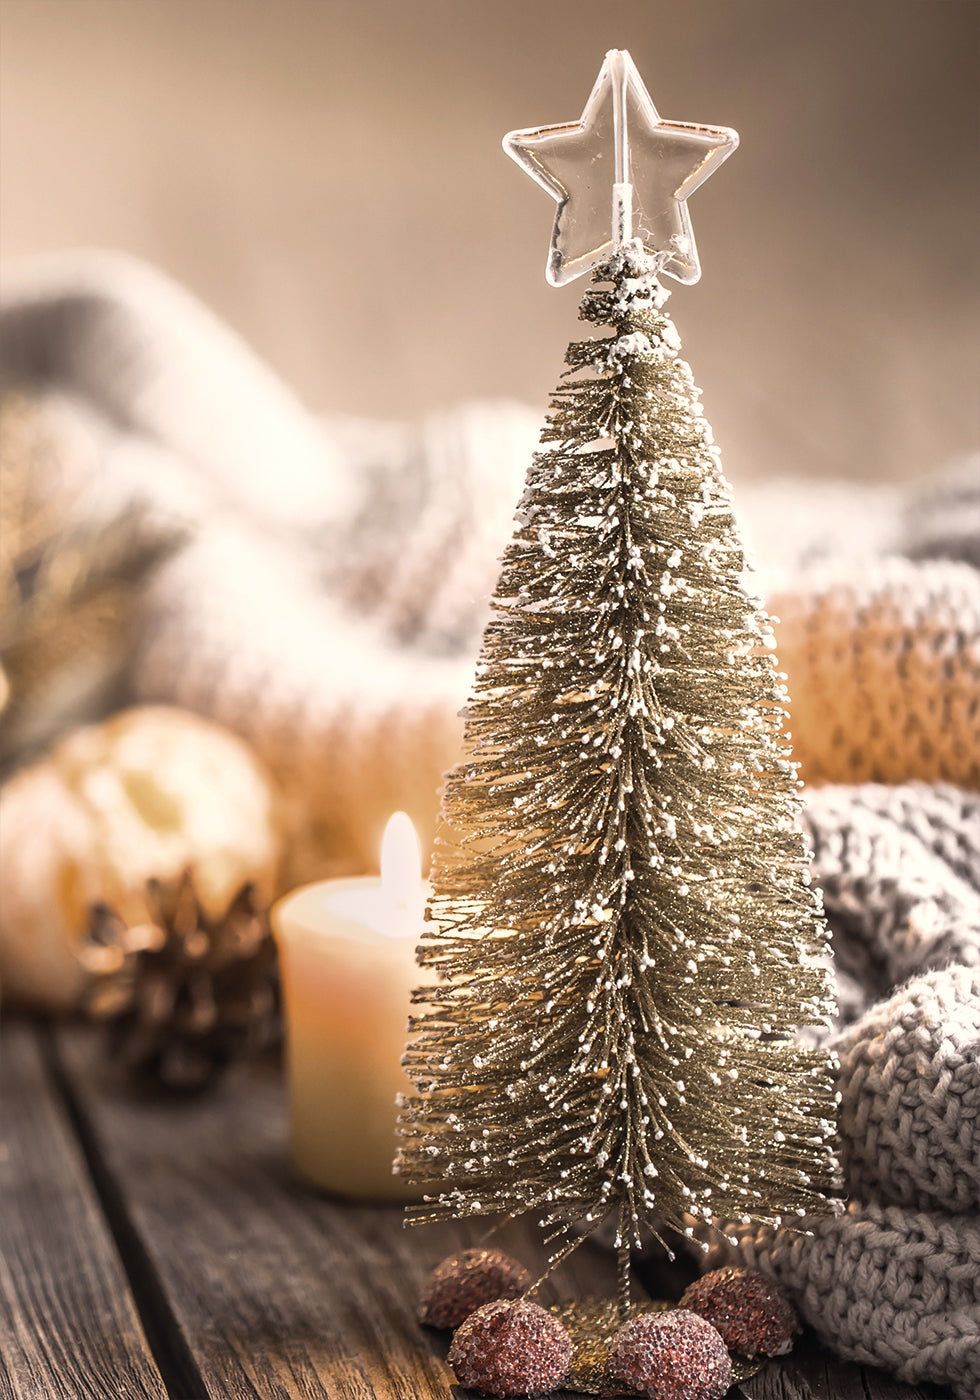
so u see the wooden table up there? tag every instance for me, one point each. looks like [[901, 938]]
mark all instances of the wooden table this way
[[162, 1249]]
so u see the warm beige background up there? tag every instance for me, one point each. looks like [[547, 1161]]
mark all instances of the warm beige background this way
[[328, 176]]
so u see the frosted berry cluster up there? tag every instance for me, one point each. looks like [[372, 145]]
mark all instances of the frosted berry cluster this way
[[507, 1346]]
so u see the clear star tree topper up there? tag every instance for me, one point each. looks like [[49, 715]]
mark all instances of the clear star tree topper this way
[[623, 158], [622, 912]]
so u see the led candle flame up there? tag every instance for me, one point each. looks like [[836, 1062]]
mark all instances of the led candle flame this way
[[394, 906], [348, 959], [401, 867]]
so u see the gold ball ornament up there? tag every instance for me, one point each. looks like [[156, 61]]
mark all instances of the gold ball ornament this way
[[145, 795]]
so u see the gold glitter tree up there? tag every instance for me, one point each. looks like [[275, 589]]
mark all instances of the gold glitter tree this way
[[622, 912]]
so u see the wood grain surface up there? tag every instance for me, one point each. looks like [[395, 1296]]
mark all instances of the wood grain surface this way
[[138, 1230], [278, 1291], [811, 1373], [69, 1329]]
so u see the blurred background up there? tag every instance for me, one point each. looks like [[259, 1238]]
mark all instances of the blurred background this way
[[244, 575], [327, 176]]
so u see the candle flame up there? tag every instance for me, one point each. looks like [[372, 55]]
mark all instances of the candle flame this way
[[401, 864]]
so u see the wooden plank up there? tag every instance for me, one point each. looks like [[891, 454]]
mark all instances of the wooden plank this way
[[282, 1293], [278, 1292], [70, 1327], [811, 1373]]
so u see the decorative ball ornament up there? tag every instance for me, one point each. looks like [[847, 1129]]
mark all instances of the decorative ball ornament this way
[[463, 1282], [672, 1355], [750, 1311], [509, 1348], [143, 796]]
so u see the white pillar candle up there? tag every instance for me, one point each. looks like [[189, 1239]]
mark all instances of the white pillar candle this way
[[347, 949]]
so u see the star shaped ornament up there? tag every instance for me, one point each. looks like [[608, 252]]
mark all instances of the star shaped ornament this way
[[619, 173]]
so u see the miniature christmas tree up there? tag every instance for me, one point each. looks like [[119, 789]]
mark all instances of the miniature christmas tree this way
[[622, 911]]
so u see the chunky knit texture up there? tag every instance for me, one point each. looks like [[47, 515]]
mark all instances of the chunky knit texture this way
[[882, 658], [329, 606], [893, 1287], [899, 870], [896, 1279], [911, 1095]]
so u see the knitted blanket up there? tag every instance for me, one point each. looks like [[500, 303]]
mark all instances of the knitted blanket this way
[[896, 1279], [328, 605]]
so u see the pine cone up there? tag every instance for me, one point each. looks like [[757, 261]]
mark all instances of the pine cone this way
[[184, 996]]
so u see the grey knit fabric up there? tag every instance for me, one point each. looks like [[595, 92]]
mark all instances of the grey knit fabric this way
[[893, 1287], [900, 872], [896, 1279], [328, 609], [910, 1087]]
